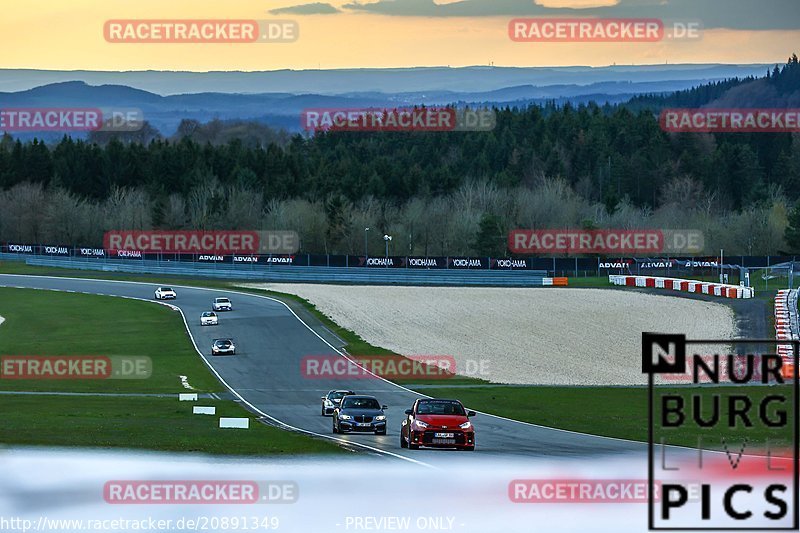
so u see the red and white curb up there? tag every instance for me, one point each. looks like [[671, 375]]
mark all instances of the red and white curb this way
[[684, 285], [787, 326]]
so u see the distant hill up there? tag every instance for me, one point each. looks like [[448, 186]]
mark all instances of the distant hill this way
[[387, 81], [281, 107]]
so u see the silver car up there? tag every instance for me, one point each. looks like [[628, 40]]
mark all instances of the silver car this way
[[223, 347], [221, 304], [332, 400]]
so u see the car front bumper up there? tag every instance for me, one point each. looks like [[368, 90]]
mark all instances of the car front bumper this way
[[443, 438], [365, 427]]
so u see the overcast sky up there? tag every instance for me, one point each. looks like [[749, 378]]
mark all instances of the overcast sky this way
[[53, 34]]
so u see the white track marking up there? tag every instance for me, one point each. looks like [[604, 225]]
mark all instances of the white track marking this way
[[185, 382], [2, 320]]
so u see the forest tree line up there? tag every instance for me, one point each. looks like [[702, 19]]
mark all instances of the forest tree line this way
[[450, 193]]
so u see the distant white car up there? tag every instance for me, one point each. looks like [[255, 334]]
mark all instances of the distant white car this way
[[223, 347], [165, 293], [221, 304], [209, 318]]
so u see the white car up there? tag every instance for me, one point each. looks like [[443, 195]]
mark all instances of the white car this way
[[209, 318], [223, 347], [221, 304], [165, 293]]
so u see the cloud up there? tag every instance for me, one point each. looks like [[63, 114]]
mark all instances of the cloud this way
[[317, 8], [733, 14]]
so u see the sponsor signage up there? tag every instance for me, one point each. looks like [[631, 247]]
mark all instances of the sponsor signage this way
[[21, 248], [425, 262], [55, 250], [468, 262], [509, 264], [91, 252], [382, 262]]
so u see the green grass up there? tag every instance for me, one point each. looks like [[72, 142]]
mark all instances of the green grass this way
[[56, 323], [60, 323], [163, 424], [619, 412]]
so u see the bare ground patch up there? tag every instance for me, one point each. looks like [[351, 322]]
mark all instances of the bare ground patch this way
[[524, 336]]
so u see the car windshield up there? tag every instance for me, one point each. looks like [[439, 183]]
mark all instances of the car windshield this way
[[222, 300], [337, 395], [224, 344], [440, 408], [165, 289], [360, 403], [209, 314]]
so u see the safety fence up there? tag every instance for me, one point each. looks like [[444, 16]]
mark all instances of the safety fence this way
[[787, 328], [297, 274], [675, 267], [684, 285]]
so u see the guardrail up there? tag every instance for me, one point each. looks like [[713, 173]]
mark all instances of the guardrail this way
[[300, 274], [685, 285]]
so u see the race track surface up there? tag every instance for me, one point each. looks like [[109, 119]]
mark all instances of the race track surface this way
[[266, 372]]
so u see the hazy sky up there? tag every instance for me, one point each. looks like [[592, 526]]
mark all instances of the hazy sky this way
[[56, 34]]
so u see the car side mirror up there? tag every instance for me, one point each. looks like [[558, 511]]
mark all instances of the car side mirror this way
[[409, 412], [384, 406], [471, 413]]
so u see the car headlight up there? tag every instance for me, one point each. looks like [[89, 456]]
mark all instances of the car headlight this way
[[420, 424], [466, 425], [345, 417], [380, 417], [328, 403]]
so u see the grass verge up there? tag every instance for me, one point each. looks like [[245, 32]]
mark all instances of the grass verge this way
[[56, 323]]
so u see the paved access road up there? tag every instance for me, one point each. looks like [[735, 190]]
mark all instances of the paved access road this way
[[266, 372]]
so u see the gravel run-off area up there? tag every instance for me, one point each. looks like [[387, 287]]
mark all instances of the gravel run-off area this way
[[547, 336]]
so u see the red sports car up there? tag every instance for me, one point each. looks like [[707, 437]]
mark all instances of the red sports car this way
[[438, 424]]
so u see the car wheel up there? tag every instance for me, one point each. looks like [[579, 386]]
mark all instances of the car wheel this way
[[413, 446], [469, 448], [335, 429], [403, 443], [322, 413], [381, 432]]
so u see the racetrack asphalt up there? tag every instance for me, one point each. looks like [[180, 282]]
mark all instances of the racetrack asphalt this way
[[266, 373]]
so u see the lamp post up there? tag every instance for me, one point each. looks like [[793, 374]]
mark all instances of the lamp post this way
[[387, 238], [366, 252]]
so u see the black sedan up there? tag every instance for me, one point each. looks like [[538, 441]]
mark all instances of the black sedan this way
[[362, 414]]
